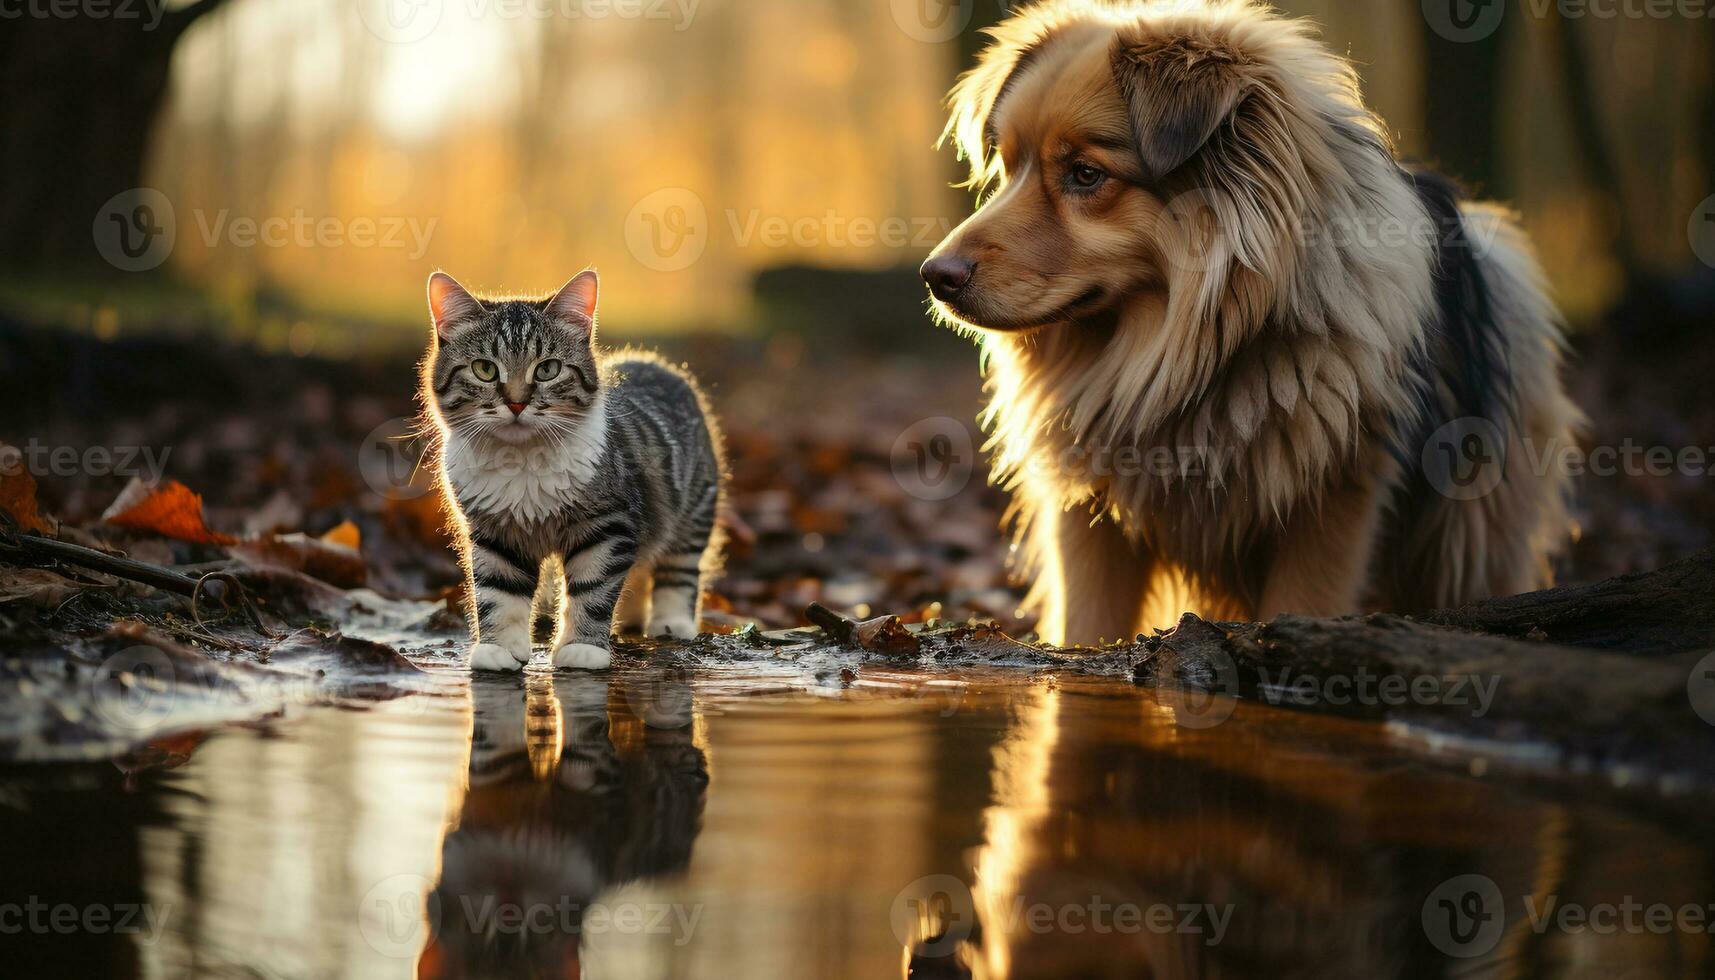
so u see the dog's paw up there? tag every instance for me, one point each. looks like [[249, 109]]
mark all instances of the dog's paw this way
[[682, 628], [583, 656], [493, 656]]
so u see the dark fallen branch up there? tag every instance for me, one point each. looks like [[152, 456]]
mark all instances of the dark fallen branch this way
[[1668, 610], [219, 587], [1634, 698]]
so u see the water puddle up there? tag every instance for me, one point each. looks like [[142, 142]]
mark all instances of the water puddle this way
[[721, 820]]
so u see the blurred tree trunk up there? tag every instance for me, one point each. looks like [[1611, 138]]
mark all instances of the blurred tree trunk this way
[[1462, 86], [1593, 146], [81, 97], [1706, 110]]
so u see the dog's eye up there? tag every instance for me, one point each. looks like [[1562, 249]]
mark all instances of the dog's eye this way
[[1085, 176], [484, 370]]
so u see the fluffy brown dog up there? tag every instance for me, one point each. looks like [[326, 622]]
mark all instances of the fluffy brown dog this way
[[1241, 360]]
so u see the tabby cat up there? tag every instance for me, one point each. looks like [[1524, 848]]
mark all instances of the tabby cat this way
[[554, 452]]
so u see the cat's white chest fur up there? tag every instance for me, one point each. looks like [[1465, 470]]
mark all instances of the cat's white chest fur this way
[[528, 481]]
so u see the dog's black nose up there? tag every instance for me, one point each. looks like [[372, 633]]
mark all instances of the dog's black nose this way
[[946, 275]]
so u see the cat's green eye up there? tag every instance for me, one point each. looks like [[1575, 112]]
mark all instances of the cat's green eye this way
[[547, 370], [484, 370]]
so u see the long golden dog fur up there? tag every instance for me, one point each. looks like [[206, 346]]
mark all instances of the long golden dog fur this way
[[1229, 338]]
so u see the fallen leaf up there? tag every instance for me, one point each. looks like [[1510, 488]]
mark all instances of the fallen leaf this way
[[346, 535], [332, 563], [18, 493], [883, 634], [169, 509], [36, 586]]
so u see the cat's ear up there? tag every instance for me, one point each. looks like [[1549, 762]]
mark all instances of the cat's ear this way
[[575, 302], [449, 304]]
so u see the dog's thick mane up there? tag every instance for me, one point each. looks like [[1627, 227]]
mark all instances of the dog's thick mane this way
[[1268, 355]]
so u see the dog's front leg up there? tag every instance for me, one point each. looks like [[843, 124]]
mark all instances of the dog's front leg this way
[[1323, 559], [1101, 580]]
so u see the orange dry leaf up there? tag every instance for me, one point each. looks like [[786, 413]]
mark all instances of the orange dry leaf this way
[[170, 509], [18, 493], [346, 535]]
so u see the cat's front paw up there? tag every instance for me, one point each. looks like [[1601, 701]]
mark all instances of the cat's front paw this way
[[583, 656], [682, 628], [493, 656]]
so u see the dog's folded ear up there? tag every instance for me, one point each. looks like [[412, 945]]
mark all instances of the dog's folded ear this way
[[1178, 90]]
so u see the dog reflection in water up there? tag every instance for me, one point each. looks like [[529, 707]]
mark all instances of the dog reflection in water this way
[[575, 790]]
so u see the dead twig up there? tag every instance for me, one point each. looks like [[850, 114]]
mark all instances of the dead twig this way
[[883, 634], [221, 587]]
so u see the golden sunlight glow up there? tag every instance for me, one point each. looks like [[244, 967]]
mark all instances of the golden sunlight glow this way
[[1021, 764], [517, 147]]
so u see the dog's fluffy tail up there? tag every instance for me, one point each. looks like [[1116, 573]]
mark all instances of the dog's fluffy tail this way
[[1483, 504]]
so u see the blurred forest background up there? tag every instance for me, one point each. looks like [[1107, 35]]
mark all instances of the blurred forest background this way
[[688, 147], [757, 181]]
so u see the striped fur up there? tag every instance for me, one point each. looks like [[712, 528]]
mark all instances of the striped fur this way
[[1221, 323], [604, 468]]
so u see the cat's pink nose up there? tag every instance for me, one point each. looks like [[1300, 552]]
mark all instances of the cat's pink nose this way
[[517, 407]]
